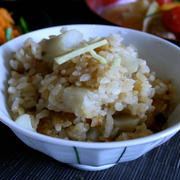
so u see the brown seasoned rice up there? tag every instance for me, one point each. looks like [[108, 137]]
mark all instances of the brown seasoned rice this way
[[108, 104]]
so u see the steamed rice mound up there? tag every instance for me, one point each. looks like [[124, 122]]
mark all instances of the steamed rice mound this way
[[84, 99]]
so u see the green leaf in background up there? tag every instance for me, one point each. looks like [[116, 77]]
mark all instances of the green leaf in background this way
[[8, 34], [24, 25]]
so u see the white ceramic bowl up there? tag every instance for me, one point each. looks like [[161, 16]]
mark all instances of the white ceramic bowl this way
[[162, 57]]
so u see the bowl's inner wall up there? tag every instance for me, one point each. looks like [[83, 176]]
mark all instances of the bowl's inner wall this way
[[162, 57]]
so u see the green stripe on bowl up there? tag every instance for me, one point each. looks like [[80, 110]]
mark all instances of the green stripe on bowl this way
[[124, 150], [77, 155]]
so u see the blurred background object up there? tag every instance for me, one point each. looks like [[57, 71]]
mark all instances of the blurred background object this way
[[153, 16], [159, 17]]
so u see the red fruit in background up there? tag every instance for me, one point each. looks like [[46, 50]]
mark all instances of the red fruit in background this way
[[160, 2], [108, 2], [171, 19]]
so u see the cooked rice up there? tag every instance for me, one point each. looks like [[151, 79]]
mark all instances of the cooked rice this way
[[115, 105]]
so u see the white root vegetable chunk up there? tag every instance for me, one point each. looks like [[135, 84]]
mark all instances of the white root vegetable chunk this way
[[81, 101], [126, 123], [61, 44], [130, 63], [109, 125], [25, 121]]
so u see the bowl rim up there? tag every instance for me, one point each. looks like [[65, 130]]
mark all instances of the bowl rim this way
[[90, 145]]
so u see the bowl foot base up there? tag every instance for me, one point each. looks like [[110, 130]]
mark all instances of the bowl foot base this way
[[91, 168]]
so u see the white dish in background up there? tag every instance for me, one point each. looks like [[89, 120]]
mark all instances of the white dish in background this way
[[162, 57]]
